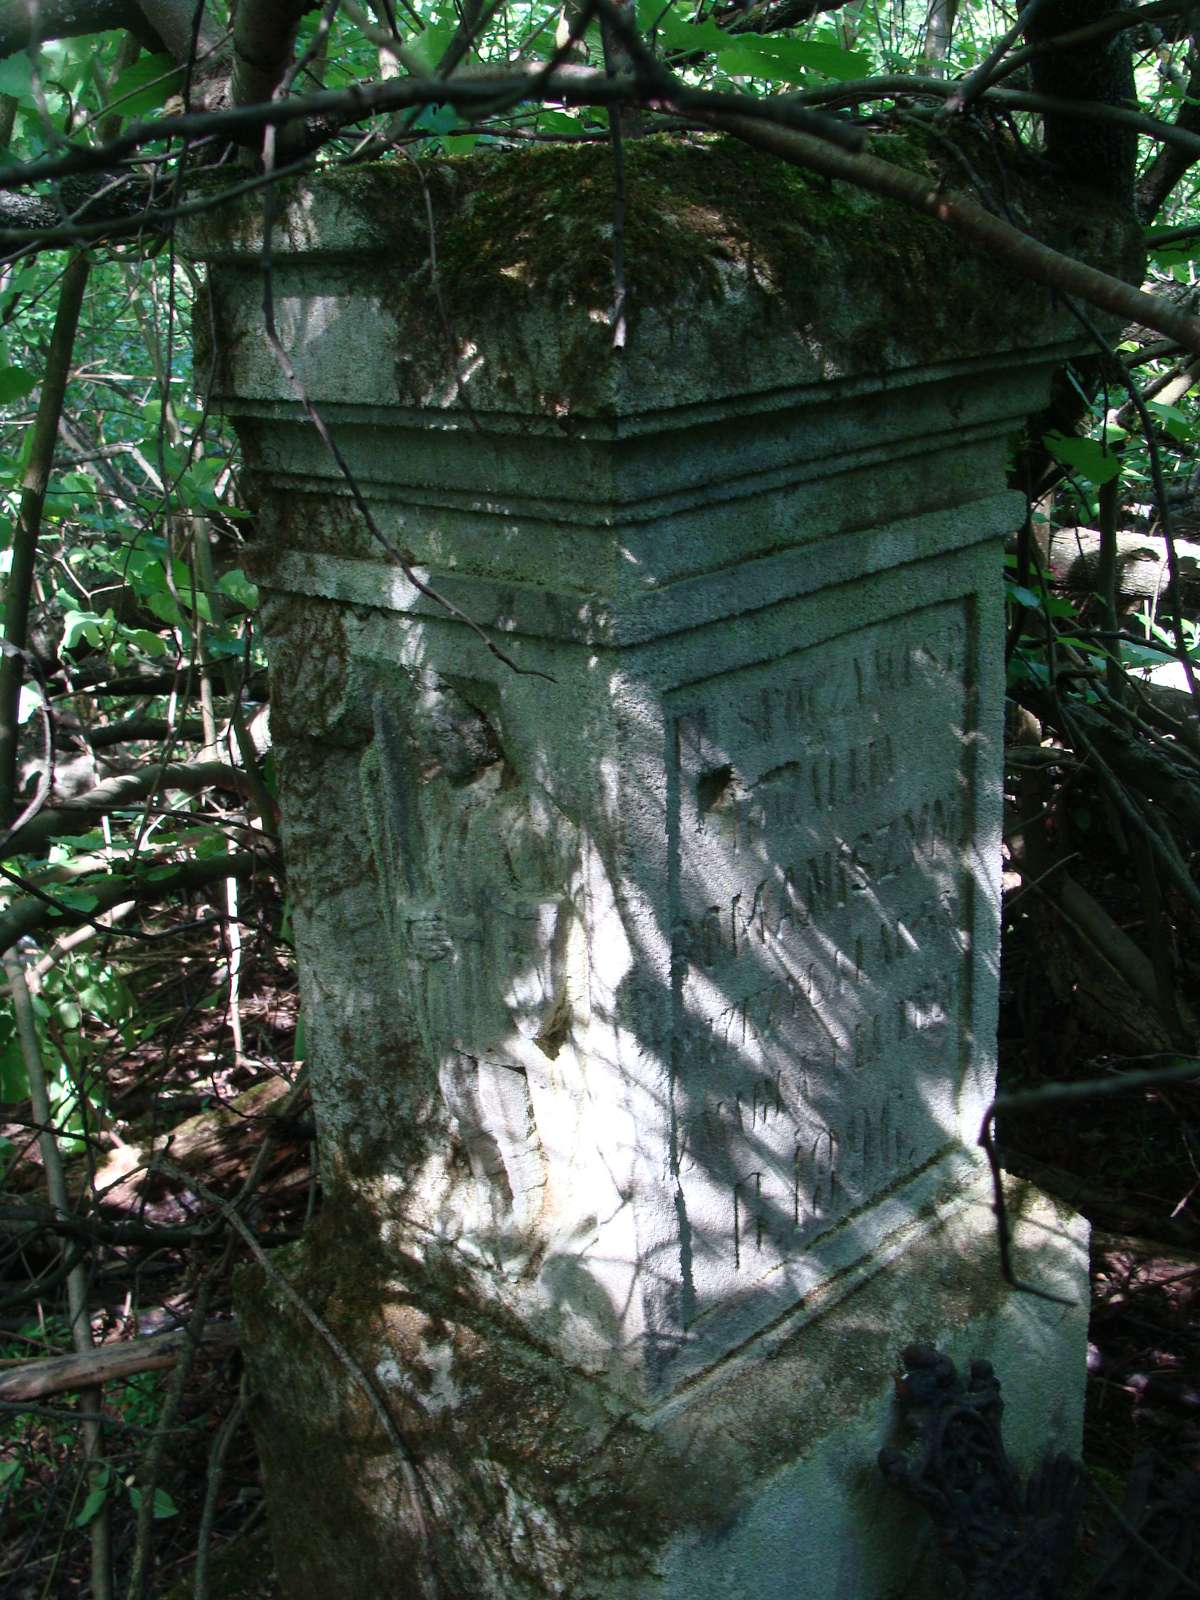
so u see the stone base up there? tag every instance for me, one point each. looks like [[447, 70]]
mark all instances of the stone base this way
[[523, 1478]]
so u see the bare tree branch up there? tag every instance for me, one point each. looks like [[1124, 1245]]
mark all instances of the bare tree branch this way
[[1171, 162], [969, 219], [39, 1380], [132, 729], [28, 914], [23, 24], [772, 18], [34, 483], [481, 93], [117, 794], [175, 23], [1103, 27], [264, 37]]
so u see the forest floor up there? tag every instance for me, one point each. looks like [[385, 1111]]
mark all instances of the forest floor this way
[[1131, 1163]]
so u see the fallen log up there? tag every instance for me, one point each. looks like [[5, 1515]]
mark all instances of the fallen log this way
[[1142, 573], [37, 1380]]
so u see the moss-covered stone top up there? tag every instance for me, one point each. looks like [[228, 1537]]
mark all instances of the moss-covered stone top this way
[[707, 222], [542, 218]]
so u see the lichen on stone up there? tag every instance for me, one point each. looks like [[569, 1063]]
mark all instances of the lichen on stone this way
[[511, 226]]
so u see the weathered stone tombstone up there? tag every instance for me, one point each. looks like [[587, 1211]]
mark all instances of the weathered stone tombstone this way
[[650, 989]]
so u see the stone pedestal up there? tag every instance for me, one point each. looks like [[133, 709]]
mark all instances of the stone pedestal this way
[[650, 981]]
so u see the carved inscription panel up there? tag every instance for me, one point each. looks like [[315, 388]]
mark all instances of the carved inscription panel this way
[[820, 909]]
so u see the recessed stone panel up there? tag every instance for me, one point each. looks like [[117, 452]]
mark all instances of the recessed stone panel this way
[[820, 904]]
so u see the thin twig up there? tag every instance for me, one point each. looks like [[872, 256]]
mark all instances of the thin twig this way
[[75, 1419], [212, 1488], [154, 1460], [1167, 854], [1143, 1544], [1059, 1094], [79, 1315], [973, 87], [403, 558], [406, 1462]]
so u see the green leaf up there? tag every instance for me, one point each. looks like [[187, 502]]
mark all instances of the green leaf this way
[[163, 1506], [188, 589], [15, 384], [14, 1076], [162, 604], [559, 122], [1053, 604], [1089, 647], [1175, 421], [832, 60], [1173, 251], [145, 86], [208, 845], [438, 119], [238, 587], [1144, 655], [95, 998], [1022, 669], [82, 625], [169, 459], [1084, 456], [97, 1496], [16, 76], [677, 34], [791, 60], [429, 47], [77, 900], [92, 1507], [152, 643]]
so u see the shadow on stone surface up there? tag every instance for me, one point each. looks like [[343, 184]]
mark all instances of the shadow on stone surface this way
[[651, 989]]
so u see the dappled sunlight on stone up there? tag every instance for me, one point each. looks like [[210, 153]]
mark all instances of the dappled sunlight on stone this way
[[653, 985]]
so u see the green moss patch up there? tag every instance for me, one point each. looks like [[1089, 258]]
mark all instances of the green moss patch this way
[[539, 224]]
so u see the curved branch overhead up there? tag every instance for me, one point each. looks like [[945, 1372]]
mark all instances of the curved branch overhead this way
[[129, 789], [22, 25], [973, 222], [159, 25], [1082, 81], [27, 914], [1171, 163], [773, 18], [182, 29], [264, 37]]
